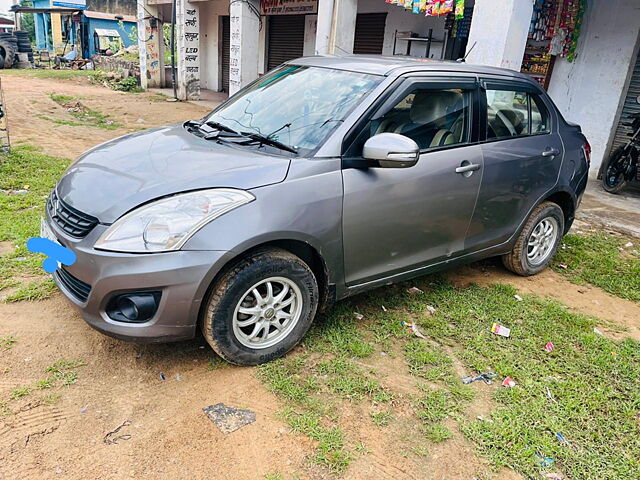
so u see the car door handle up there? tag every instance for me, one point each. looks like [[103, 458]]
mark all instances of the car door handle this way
[[471, 167], [550, 152]]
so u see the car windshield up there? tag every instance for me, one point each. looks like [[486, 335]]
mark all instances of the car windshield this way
[[294, 105]]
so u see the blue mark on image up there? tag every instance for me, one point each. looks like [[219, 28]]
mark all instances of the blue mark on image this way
[[55, 252]]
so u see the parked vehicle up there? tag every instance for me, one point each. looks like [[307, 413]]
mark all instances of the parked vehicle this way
[[326, 177], [621, 167]]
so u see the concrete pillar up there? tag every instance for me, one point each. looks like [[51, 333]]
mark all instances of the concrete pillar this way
[[343, 27], [188, 49], [499, 31], [244, 54], [324, 24], [151, 46], [56, 30]]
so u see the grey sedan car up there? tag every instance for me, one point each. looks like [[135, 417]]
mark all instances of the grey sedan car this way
[[326, 177]]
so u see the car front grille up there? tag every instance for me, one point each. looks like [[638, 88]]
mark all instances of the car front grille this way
[[76, 287], [74, 222]]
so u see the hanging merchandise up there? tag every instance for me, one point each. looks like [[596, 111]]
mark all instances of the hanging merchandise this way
[[408, 4], [446, 7], [459, 11], [571, 21]]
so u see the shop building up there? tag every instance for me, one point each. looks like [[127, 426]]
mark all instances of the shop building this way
[[584, 52]]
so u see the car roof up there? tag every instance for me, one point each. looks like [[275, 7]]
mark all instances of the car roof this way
[[398, 65]]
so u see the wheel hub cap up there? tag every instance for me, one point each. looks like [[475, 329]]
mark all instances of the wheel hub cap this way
[[542, 241], [267, 312]]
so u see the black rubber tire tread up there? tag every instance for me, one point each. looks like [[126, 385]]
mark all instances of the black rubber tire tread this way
[[516, 260], [9, 52], [618, 188], [226, 291]]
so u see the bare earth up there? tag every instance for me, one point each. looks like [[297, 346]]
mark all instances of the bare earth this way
[[163, 430]]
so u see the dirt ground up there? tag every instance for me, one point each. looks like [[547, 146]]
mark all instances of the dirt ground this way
[[163, 430]]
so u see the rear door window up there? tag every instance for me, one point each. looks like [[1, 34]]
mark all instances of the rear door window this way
[[514, 112]]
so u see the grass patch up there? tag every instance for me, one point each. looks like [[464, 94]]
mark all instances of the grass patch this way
[[85, 116], [437, 433], [37, 290], [62, 373], [596, 259], [20, 216], [587, 388], [7, 342], [381, 419], [48, 73]]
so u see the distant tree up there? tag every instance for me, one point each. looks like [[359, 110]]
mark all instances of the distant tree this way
[[27, 22]]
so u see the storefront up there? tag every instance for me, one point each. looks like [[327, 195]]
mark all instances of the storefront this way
[[554, 33]]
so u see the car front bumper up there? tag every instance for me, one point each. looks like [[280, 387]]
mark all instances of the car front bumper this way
[[182, 277]]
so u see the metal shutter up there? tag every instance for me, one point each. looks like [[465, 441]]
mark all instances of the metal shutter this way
[[631, 105], [226, 49], [369, 35], [286, 39]]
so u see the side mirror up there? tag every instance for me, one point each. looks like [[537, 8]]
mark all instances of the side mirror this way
[[391, 150]]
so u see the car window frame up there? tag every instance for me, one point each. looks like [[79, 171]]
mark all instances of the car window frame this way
[[401, 89], [518, 86]]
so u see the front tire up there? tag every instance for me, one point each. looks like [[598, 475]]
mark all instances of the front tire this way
[[538, 241], [260, 308]]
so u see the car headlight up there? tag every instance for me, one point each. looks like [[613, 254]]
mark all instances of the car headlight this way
[[166, 224]]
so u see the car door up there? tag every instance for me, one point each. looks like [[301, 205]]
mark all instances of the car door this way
[[398, 219], [522, 153]]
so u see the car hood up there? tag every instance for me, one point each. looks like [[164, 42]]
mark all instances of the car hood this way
[[115, 177]]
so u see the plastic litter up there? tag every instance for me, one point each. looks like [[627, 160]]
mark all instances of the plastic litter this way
[[384, 309], [550, 395], [549, 347], [229, 419], [544, 461], [413, 328], [628, 245], [178, 377], [486, 377], [597, 331], [358, 316], [563, 266], [431, 310], [501, 330], [414, 290], [561, 439], [84, 409], [518, 298], [162, 377], [509, 382]]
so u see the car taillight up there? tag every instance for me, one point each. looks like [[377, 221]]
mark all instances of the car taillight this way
[[586, 148]]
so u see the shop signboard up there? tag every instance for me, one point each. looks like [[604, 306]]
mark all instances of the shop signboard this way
[[288, 7], [77, 4]]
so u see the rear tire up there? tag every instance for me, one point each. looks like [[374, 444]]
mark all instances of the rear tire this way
[[538, 241], [608, 183], [280, 312]]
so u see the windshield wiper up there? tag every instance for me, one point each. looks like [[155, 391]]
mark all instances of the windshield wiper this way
[[263, 139], [220, 126]]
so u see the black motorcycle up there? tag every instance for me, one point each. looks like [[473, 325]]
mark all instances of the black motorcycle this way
[[622, 166]]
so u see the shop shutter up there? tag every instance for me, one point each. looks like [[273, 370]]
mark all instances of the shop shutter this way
[[369, 35], [631, 106], [226, 48], [286, 39]]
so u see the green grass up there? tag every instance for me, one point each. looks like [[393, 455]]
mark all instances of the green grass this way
[[62, 373], [596, 259], [44, 73], [7, 342], [85, 116], [20, 217], [594, 381]]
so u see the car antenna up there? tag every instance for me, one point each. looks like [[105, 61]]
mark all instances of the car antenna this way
[[461, 60]]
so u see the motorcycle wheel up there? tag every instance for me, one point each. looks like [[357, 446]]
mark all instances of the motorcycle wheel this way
[[613, 176]]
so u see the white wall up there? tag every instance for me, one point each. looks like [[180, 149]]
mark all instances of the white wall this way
[[590, 90], [403, 20], [210, 13]]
